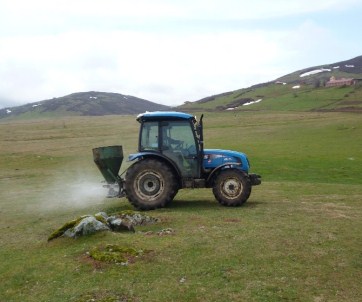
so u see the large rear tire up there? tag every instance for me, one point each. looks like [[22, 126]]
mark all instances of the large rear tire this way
[[232, 188], [150, 184]]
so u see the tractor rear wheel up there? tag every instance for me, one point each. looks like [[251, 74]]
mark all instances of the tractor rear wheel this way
[[150, 184], [232, 188]]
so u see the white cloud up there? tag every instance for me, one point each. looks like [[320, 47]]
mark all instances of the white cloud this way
[[143, 64], [150, 50], [58, 15]]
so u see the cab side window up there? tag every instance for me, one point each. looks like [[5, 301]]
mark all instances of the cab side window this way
[[178, 144], [149, 136]]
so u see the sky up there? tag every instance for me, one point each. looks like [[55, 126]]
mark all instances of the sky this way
[[167, 52]]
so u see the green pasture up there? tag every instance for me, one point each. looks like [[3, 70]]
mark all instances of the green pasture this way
[[298, 238]]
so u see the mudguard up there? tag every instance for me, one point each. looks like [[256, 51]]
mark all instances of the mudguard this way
[[141, 155]]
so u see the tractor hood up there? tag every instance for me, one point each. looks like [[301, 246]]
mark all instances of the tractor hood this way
[[216, 157]]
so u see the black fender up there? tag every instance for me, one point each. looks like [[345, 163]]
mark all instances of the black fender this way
[[144, 155], [218, 169]]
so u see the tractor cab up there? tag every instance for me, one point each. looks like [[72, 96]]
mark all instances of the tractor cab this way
[[175, 137]]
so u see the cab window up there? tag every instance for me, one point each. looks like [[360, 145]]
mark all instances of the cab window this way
[[178, 136], [178, 144], [149, 136]]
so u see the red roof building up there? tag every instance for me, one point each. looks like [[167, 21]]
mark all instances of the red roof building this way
[[340, 82]]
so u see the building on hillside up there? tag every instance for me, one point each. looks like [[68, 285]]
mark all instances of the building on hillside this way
[[340, 82]]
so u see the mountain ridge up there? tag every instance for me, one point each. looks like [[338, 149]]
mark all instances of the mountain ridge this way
[[294, 91], [91, 103], [347, 68]]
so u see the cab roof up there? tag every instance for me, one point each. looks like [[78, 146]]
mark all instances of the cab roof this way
[[163, 116]]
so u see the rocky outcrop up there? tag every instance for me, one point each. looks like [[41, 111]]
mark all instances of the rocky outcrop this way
[[91, 224], [86, 226]]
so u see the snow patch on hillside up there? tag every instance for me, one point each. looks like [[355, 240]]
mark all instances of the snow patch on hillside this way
[[314, 72], [254, 102]]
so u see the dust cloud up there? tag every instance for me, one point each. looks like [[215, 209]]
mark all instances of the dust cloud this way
[[73, 191]]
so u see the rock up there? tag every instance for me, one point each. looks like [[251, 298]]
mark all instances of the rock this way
[[167, 231], [119, 225], [60, 232], [101, 216], [136, 218], [148, 233], [87, 226]]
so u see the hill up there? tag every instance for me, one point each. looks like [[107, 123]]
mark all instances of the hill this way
[[90, 103], [345, 69], [301, 90]]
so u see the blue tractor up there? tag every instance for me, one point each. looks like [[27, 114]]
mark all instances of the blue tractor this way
[[171, 156]]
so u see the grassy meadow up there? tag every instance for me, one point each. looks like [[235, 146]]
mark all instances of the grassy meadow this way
[[298, 238]]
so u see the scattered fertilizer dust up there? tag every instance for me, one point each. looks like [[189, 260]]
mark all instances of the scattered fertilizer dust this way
[[73, 191]]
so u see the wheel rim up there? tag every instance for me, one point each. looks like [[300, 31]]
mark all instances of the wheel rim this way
[[231, 187], [149, 185]]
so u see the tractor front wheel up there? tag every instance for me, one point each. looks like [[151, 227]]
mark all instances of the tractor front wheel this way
[[150, 184], [231, 188]]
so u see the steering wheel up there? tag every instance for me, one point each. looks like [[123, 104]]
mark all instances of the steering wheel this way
[[179, 144]]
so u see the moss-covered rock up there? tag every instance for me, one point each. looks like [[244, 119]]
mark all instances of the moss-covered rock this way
[[60, 232], [83, 225], [102, 217], [120, 224], [136, 218], [88, 224]]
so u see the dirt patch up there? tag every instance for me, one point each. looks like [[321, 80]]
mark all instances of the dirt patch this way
[[336, 211], [328, 209], [104, 296], [233, 220], [96, 265], [341, 109], [351, 103]]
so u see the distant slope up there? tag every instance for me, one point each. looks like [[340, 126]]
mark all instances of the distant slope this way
[[349, 69], [84, 104], [302, 90]]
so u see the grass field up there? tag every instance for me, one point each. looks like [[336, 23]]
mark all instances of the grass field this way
[[298, 238]]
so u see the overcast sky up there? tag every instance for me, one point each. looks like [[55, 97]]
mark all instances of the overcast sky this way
[[164, 51]]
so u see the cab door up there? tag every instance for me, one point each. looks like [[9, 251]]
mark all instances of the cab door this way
[[178, 143]]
